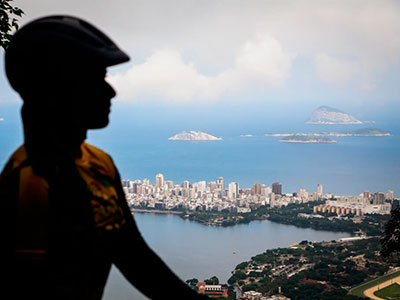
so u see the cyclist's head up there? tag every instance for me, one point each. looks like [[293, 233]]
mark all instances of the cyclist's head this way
[[58, 63]]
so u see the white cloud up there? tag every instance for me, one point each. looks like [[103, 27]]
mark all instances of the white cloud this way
[[336, 71], [165, 74], [264, 59]]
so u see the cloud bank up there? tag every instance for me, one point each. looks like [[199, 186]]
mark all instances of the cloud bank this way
[[261, 61], [192, 50]]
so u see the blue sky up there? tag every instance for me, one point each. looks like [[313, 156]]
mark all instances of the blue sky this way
[[245, 59]]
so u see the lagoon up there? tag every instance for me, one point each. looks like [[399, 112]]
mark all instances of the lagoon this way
[[193, 250]]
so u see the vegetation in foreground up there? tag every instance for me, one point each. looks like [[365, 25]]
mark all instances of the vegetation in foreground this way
[[309, 271]]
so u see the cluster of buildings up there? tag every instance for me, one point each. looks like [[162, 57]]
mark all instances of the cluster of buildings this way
[[218, 196], [211, 196], [218, 291], [213, 291], [253, 295], [365, 203]]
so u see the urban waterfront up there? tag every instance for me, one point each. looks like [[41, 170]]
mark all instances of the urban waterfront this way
[[214, 197], [194, 250]]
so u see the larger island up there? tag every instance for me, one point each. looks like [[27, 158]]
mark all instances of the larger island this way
[[326, 115], [321, 137], [357, 132]]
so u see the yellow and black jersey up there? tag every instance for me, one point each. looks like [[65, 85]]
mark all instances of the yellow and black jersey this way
[[70, 227], [30, 192]]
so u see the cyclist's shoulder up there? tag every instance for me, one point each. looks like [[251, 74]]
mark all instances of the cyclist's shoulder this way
[[98, 158], [15, 161]]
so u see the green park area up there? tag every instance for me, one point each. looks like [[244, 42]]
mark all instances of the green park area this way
[[391, 292], [359, 290]]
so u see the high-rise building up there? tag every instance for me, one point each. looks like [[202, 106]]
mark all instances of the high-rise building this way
[[135, 186], [170, 184], [314, 196], [263, 190], [159, 180], [319, 190], [200, 186], [186, 184], [268, 190], [212, 185], [277, 188], [233, 190], [390, 195], [379, 198], [126, 183], [257, 189], [221, 183], [303, 193], [272, 200]]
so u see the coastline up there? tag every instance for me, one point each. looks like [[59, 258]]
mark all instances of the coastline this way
[[155, 211], [283, 215]]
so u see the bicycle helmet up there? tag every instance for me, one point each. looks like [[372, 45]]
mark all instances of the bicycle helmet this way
[[57, 42]]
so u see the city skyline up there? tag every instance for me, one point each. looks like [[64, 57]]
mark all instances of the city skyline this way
[[256, 187], [212, 197]]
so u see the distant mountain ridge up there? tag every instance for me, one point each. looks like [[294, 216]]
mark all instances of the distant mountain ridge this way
[[329, 115]]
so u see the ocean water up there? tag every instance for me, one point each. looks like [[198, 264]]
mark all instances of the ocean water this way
[[140, 148], [349, 167]]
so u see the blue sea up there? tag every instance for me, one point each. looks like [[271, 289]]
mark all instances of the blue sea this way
[[140, 148]]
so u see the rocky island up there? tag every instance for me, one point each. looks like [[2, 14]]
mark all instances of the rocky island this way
[[306, 139], [193, 135], [327, 115]]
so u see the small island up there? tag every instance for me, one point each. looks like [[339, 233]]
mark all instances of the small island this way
[[357, 132], [246, 135], [306, 139], [194, 135], [367, 132]]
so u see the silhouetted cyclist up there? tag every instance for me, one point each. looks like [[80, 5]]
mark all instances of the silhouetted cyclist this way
[[63, 196]]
